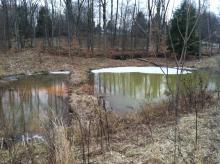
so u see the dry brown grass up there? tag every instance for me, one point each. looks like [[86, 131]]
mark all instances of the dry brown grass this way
[[154, 113], [86, 88], [60, 148], [64, 153], [193, 97]]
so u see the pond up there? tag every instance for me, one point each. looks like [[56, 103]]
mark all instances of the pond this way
[[27, 102], [128, 88]]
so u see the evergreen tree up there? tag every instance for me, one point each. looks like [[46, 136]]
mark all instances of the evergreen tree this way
[[140, 24], [183, 17], [98, 29], [110, 26], [44, 24], [23, 23]]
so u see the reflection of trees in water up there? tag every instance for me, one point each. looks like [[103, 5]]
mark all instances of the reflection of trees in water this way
[[214, 80], [25, 103], [130, 89], [136, 85]]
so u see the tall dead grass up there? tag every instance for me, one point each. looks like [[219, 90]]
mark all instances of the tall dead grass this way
[[63, 149], [60, 147], [194, 97]]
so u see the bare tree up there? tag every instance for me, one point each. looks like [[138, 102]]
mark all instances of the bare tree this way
[[160, 23], [33, 5], [90, 25], [69, 19], [124, 16], [150, 12], [16, 28], [111, 22], [78, 22], [52, 3], [116, 22], [189, 29], [104, 26], [7, 32], [100, 19], [133, 19]]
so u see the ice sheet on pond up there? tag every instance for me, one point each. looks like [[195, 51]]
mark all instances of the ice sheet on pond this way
[[147, 70], [60, 72]]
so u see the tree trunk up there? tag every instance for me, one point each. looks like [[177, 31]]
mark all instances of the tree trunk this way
[[6, 24], [104, 27], [150, 4], [78, 24], [68, 17], [52, 22], [132, 26], [100, 19], [111, 24], [116, 22]]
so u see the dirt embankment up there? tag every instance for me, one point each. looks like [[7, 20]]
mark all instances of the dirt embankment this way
[[135, 143]]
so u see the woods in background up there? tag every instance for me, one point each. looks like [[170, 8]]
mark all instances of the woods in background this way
[[100, 26]]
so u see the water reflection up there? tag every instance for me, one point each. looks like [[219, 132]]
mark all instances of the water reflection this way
[[26, 103], [128, 91]]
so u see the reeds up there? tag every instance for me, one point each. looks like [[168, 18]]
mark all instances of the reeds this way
[[60, 148]]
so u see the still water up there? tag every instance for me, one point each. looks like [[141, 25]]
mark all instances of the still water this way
[[27, 102], [127, 91]]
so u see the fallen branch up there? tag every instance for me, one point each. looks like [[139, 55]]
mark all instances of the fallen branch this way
[[148, 61]]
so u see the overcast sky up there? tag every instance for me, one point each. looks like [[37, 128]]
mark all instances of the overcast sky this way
[[174, 4]]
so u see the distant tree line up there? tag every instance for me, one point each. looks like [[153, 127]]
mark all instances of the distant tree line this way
[[101, 24]]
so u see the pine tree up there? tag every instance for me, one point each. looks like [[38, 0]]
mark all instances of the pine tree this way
[[44, 24], [140, 24], [183, 17]]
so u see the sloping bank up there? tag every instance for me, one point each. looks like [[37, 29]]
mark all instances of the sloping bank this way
[[128, 142], [134, 140]]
